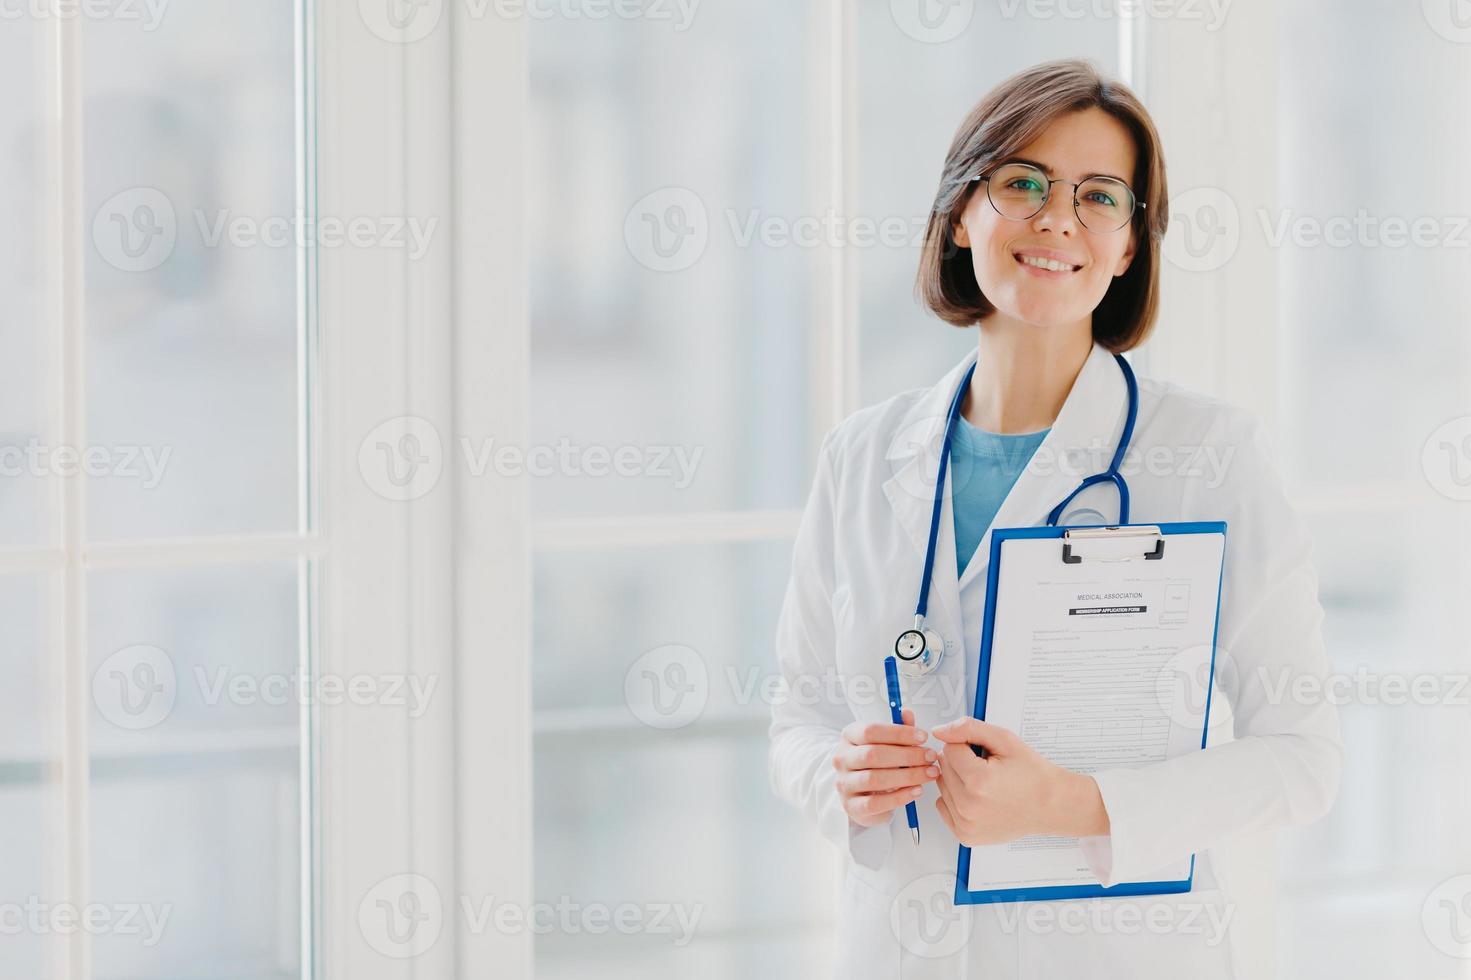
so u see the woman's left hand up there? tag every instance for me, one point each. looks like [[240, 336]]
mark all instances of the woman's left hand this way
[[1013, 792]]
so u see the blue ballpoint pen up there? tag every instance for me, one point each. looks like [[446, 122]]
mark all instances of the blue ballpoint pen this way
[[896, 712]]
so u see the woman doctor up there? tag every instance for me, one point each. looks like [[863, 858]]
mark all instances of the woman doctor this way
[[1045, 235]]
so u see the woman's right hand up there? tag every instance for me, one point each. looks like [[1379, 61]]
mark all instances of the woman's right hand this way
[[881, 768]]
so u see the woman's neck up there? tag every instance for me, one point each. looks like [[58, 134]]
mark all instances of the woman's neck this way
[[1024, 373]]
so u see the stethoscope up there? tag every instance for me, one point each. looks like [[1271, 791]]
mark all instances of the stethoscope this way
[[921, 649]]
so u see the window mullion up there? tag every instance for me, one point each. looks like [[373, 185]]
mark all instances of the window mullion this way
[[68, 687]]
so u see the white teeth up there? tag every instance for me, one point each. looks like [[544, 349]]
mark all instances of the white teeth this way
[[1046, 263]]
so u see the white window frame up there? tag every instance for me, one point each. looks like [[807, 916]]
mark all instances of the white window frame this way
[[438, 585]]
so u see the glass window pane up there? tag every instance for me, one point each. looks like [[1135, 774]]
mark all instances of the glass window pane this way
[[669, 315], [191, 294], [24, 786], [1374, 423], [632, 798], [194, 743], [23, 273]]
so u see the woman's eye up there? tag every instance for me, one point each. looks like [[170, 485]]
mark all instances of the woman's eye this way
[[1102, 198], [1025, 184]]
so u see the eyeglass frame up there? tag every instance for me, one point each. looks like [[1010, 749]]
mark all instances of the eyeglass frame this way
[[985, 178]]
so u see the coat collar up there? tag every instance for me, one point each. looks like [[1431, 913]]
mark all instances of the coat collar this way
[[1080, 442]]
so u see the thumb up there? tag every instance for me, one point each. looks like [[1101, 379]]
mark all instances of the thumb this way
[[973, 731]]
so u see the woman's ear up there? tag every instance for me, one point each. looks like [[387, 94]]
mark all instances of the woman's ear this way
[[959, 233]]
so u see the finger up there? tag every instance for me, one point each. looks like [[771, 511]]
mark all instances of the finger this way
[[876, 733], [908, 716], [947, 816], [965, 769], [877, 804], [885, 780], [951, 793], [856, 757], [973, 731]]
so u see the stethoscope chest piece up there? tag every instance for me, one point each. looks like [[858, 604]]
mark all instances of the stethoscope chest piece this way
[[919, 650]]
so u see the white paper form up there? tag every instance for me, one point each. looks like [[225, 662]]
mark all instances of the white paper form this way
[[1097, 665]]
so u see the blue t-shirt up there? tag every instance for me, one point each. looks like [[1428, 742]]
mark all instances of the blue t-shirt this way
[[984, 466]]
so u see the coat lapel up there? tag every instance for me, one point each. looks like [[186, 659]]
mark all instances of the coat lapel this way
[[914, 459]]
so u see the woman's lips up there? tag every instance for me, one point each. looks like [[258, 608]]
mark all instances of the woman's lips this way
[[1043, 273]]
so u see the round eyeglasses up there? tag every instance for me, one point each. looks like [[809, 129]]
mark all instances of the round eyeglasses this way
[[1020, 191]]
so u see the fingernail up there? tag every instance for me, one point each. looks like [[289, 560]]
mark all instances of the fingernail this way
[[919, 735], [934, 771], [916, 791], [929, 755]]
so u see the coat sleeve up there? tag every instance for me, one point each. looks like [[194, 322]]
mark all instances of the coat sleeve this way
[[1283, 766], [806, 730]]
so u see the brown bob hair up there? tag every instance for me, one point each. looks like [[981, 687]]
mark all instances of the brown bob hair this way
[[1008, 118]]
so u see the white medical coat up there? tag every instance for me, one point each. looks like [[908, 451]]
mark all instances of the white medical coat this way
[[1272, 757]]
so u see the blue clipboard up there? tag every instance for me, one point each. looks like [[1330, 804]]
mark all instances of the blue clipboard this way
[[963, 895]]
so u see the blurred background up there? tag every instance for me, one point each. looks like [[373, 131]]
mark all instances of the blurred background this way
[[713, 230]]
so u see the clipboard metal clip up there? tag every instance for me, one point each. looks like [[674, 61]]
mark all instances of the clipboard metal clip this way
[[1121, 543]]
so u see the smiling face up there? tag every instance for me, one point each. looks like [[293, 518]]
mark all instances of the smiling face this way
[[1075, 146]]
